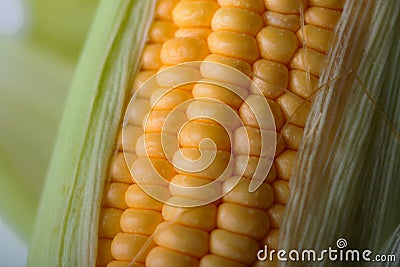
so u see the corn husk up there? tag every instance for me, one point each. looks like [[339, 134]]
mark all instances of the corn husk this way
[[347, 181], [67, 221]]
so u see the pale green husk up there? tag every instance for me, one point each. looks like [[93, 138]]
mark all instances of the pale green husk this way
[[347, 182], [65, 232]]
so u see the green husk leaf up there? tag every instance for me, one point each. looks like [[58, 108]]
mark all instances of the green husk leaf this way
[[347, 184], [67, 221]]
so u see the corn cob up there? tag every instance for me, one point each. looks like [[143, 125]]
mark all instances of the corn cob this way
[[234, 35], [266, 41]]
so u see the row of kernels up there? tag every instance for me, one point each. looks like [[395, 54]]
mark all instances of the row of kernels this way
[[278, 44], [316, 34], [277, 47], [130, 227], [137, 223], [160, 31], [193, 19], [236, 238]]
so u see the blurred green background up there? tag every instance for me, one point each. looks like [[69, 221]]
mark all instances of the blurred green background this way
[[40, 43]]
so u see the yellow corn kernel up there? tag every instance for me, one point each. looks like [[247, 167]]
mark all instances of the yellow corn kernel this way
[[272, 239], [179, 50], [215, 110], [192, 181], [156, 145], [299, 84], [161, 257], [104, 252], [247, 141], [276, 212], [213, 170], [222, 74], [237, 20], [334, 4], [277, 44], [316, 38], [136, 198], [199, 33], [281, 191], [137, 109], [262, 198], [165, 121], [202, 217], [294, 108], [109, 222], [292, 135], [151, 57], [253, 5], [217, 92], [166, 99], [234, 44], [194, 13], [289, 22], [124, 264], [164, 9], [255, 104], [284, 164], [176, 76], [192, 134], [120, 170], [126, 246], [192, 241], [128, 137], [270, 77], [137, 221], [161, 31], [246, 221], [246, 166], [148, 171], [140, 79], [233, 246], [114, 197], [322, 17], [285, 6], [217, 261]]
